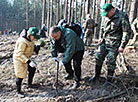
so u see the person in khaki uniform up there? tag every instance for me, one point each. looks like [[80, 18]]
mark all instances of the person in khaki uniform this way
[[134, 27], [21, 58], [89, 26]]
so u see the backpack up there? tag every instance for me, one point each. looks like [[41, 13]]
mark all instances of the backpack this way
[[75, 27]]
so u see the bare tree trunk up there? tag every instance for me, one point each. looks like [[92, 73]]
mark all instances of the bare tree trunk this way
[[80, 11], [72, 12], [66, 10], [129, 6], [93, 12], [35, 23], [61, 10], [126, 6], [48, 17], [69, 16], [76, 10], [98, 19], [27, 19], [133, 11], [43, 12], [91, 6], [88, 6], [51, 13], [58, 12], [122, 6], [83, 9]]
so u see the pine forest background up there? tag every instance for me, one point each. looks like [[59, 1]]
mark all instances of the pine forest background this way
[[19, 14]]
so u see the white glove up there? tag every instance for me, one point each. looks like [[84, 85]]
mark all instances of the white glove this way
[[32, 64], [54, 59], [61, 63]]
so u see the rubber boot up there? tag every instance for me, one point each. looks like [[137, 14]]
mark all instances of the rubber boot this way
[[109, 77], [97, 73], [18, 86]]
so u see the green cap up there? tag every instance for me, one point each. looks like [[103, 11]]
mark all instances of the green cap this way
[[33, 31], [106, 8], [75, 21]]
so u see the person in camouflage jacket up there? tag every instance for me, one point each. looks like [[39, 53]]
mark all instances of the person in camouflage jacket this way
[[89, 26], [114, 36]]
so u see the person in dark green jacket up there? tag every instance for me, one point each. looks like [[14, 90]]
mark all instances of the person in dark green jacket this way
[[64, 40], [114, 36]]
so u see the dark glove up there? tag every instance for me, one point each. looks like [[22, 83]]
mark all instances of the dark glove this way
[[36, 49]]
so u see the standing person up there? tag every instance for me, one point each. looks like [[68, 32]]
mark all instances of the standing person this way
[[66, 41], [43, 31], [79, 23], [89, 26], [135, 31], [115, 34], [21, 58]]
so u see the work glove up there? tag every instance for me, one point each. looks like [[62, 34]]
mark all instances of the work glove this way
[[55, 59], [33, 64], [61, 63]]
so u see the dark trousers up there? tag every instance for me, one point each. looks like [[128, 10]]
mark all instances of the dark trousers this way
[[77, 59], [30, 78]]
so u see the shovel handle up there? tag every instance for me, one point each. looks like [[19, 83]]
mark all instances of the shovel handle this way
[[57, 75]]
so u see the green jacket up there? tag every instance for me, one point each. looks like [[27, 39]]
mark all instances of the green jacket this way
[[116, 30], [69, 44]]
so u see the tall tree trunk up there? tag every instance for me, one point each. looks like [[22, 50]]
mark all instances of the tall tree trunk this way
[[51, 13], [88, 6], [93, 12], [43, 12], [58, 12], [35, 13], [69, 16], [133, 11], [91, 6], [61, 10], [126, 6], [122, 6], [80, 11], [76, 10], [129, 7], [72, 12], [27, 19], [98, 19], [48, 17], [83, 9], [66, 10]]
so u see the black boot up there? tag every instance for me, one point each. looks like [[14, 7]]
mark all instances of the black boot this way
[[18, 86], [31, 76], [109, 77], [97, 73], [76, 85], [30, 85]]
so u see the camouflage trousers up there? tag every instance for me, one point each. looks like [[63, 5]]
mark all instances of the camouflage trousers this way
[[135, 38], [88, 38], [110, 54]]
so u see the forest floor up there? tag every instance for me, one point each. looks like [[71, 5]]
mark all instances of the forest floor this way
[[123, 89]]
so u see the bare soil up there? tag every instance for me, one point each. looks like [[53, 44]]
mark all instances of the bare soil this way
[[45, 78]]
